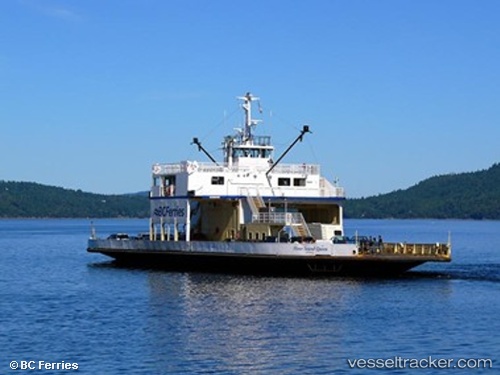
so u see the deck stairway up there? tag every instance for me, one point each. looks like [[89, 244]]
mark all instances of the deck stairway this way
[[295, 220], [301, 227], [255, 201]]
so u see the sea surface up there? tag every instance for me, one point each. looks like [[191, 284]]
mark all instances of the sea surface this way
[[59, 303]]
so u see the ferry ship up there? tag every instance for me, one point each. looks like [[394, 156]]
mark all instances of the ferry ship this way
[[251, 213]]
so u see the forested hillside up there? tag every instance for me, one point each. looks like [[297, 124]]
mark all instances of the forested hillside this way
[[28, 199], [474, 195]]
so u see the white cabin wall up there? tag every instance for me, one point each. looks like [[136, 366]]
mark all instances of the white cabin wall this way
[[181, 181], [341, 216], [201, 184], [248, 181], [246, 212], [324, 231], [311, 189], [195, 183], [233, 185]]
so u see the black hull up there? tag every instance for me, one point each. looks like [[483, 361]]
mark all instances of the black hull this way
[[268, 265]]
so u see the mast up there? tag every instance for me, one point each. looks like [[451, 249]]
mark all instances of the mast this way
[[248, 98]]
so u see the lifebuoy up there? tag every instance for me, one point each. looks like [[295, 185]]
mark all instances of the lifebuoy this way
[[156, 169], [192, 167]]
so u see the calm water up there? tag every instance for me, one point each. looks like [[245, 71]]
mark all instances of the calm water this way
[[59, 303]]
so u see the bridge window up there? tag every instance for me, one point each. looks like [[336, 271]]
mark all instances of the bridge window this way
[[282, 181], [299, 182], [217, 180]]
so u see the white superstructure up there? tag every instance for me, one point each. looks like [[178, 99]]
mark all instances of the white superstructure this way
[[247, 196]]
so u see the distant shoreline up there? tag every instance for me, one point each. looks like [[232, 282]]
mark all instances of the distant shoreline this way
[[463, 196]]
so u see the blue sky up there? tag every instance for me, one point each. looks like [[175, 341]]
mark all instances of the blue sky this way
[[93, 92]]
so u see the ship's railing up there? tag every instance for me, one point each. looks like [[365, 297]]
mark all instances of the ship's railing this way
[[174, 168], [414, 249], [304, 169], [327, 189], [285, 218], [294, 219]]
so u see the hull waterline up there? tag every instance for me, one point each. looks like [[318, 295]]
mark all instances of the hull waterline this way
[[361, 265]]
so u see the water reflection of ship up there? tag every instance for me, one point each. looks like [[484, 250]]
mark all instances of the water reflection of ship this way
[[239, 321]]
